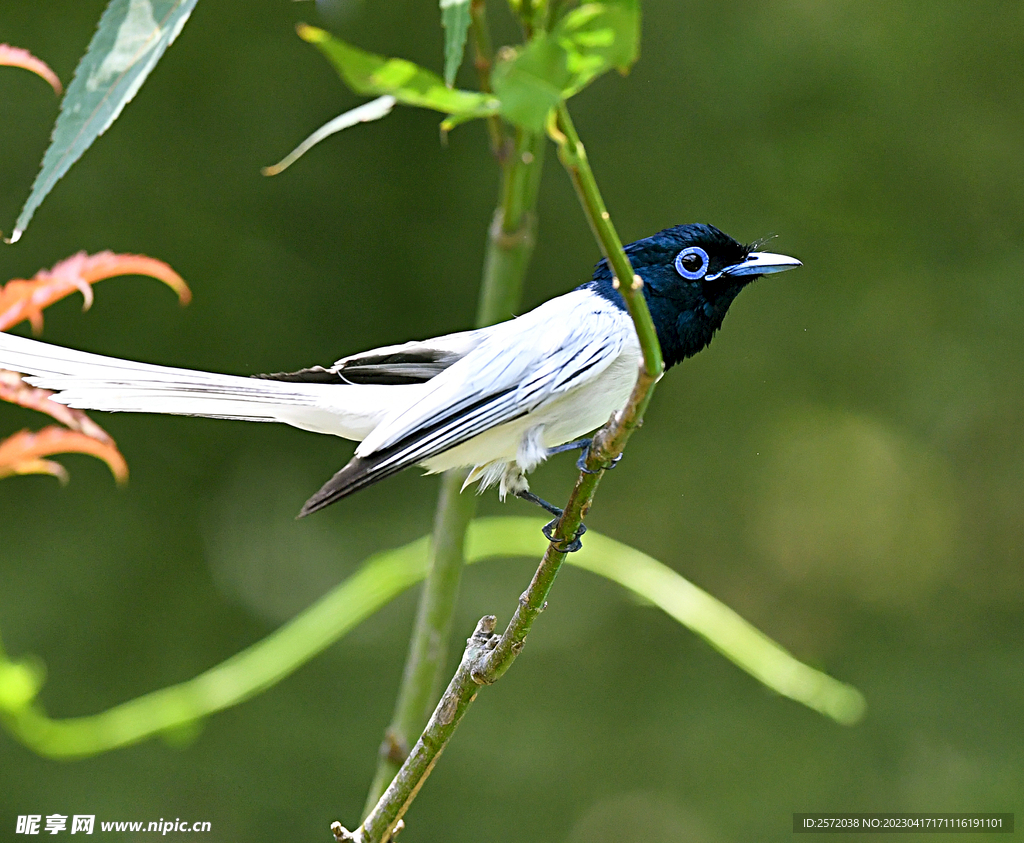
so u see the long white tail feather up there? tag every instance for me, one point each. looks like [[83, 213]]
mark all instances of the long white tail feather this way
[[94, 382]]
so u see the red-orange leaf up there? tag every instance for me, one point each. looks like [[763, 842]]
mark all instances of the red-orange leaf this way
[[17, 57], [21, 299], [16, 391], [23, 452]]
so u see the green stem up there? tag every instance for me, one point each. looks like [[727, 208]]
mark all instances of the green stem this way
[[428, 646], [513, 232], [484, 61], [175, 710], [487, 657], [573, 156], [382, 821], [509, 247]]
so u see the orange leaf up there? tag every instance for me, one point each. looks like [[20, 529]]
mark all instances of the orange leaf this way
[[22, 453], [16, 391], [54, 469], [17, 57], [21, 299]]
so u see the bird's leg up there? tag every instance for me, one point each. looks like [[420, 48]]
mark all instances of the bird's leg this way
[[584, 446], [549, 529], [579, 444]]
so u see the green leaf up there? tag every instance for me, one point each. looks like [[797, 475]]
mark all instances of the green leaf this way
[[131, 37], [598, 37], [382, 578], [410, 84], [455, 19], [531, 82], [590, 40]]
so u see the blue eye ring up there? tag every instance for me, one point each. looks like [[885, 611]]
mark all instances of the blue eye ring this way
[[685, 258]]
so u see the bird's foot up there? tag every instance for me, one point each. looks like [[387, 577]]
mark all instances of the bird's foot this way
[[581, 463], [584, 446], [568, 546]]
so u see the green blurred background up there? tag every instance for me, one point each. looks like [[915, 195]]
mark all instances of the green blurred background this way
[[843, 466]]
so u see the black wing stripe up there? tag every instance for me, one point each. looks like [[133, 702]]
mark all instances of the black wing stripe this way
[[361, 472], [371, 368], [315, 374], [580, 371], [453, 431], [391, 374]]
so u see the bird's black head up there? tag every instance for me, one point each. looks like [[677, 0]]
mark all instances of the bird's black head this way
[[691, 274]]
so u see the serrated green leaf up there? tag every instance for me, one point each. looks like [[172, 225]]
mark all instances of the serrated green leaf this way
[[130, 39], [455, 19], [410, 84]]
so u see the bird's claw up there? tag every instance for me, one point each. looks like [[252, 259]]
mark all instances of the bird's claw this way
[[568, 546], [581, 463]]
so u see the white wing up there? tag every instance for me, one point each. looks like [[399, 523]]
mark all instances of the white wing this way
[[562, 344], [519, 368]]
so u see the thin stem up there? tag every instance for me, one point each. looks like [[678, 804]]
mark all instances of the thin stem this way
[[381, 822], [573, 156], [428, 646], [488, 657], [512, 233], [509, 247], [484, 61]]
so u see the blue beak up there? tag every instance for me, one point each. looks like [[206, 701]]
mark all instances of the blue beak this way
[[760, 263]]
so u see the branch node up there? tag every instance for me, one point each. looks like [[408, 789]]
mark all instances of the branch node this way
[[508, 240], [479, 675], [638, 283], [615, 282], [342, 834], [484, 628]]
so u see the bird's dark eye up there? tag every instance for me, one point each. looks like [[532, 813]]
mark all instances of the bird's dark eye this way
[[692, 263]]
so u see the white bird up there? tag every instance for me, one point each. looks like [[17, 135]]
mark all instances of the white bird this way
[[498, 400]]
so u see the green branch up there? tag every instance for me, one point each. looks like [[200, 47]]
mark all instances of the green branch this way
[[509, 247], [485, 661], [483, 61], [573, 156], [428, 646]]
